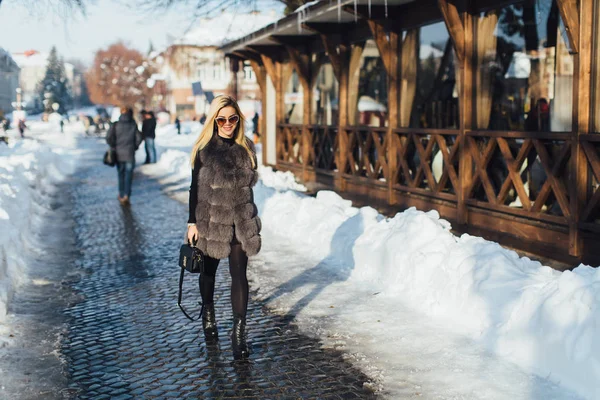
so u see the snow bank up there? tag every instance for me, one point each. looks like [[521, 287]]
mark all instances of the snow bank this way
[[28, 171], [546, 321]]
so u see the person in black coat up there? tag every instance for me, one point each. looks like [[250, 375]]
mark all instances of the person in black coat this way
[[125, 138], [149, 134]]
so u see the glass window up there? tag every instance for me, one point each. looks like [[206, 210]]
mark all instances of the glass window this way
[[523, 70], [293, 99], [428, 95], [325, 97], [371, 104]]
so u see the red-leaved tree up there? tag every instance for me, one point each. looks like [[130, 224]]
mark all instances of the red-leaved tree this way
[[119, 77]]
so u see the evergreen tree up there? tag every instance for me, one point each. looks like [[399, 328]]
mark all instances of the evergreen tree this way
[[54, 88]]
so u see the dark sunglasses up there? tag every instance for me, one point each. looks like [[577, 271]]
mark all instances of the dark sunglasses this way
[[232, 120]]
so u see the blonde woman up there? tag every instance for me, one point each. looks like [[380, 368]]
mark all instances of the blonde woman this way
[[223, 219]]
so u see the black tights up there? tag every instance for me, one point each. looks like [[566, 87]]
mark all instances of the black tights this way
[[238, 262]]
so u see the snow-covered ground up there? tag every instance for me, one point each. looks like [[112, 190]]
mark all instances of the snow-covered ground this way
[[29, 169], [425, 313]]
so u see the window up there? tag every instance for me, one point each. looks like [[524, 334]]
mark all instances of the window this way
[[371, 105], [293, 99], [523, 69], [326, 97], [428, 81]]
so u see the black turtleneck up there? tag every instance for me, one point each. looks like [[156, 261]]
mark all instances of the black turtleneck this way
[[193, 200]]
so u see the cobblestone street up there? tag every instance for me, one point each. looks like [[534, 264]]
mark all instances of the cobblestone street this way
[[128, 340]]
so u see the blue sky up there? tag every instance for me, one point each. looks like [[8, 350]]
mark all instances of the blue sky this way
[[76, 36]]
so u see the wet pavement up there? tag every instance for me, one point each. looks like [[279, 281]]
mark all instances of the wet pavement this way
[[128, 340]]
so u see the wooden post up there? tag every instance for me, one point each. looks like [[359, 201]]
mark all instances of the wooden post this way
[[340, 62], [234, 64], [578, 181], [301, 63], [466, 118], [261, 77], [388, 49]]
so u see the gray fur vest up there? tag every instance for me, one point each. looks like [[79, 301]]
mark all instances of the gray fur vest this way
[[226, 201]]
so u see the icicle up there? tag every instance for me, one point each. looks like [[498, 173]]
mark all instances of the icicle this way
[[385, 2], [369, 9], [355, 12], [339, 11]]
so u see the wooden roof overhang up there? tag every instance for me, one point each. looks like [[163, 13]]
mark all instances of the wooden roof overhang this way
[[342, 23]]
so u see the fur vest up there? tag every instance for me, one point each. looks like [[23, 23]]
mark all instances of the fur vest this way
[[225, 200]]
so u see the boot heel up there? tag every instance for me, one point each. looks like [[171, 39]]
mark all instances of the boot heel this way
[[209, 325], [238, 339]]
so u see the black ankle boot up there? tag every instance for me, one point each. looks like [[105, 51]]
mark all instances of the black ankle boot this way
[[238, 339], [208, 322]]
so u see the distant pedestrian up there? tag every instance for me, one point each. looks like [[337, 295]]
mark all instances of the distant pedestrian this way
[[203, 119], [255, 122], [149, 134], [22, 127], [178, 125], [125, 138], [223, 218], [62, 125], [6, 124]]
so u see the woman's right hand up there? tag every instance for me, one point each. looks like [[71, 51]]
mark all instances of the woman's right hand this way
[[192, 234]]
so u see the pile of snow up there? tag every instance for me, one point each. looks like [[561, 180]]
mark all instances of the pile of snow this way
[[544, 321], [29, 169]]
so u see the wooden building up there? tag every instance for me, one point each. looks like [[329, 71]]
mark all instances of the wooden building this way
[[485, 110]]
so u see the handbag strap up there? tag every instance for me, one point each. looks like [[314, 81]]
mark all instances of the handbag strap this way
[[180, 296]]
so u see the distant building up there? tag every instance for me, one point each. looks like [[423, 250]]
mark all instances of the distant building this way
[[33, 66], [9, 82], [192, 70]]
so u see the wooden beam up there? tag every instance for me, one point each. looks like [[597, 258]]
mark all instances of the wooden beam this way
[[465, 93], [343, 33], [301, 62], [294, 40], [261, 77], [334, 57], [399, 18], [248, 55], [277, 53], [383, 44], [578, 171], [353, 80], [570, 16], [454, 25], [271, 69]]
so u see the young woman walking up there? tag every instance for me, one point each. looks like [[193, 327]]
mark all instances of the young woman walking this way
[[223, 219]]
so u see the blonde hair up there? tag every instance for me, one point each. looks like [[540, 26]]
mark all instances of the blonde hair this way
[[210, 128]]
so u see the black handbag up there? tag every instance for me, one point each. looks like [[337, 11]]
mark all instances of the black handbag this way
[[110, 157], [191, 260]]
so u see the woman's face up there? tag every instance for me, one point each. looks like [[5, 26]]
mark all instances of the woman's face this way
[[227, 120]]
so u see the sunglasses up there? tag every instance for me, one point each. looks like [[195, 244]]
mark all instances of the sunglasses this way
[[232, 120]]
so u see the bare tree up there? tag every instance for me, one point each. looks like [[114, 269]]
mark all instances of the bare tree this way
[[63, 5], [200, 8]]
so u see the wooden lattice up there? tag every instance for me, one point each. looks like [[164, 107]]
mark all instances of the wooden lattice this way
[[289, 143], [427, 161], [324, 146], [366, 155], [527, 173]]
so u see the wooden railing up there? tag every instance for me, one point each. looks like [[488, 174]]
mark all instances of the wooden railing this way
[[520, 173], [323, 148], [590, 216], [289, 144], [516, 183], [427, 162]]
